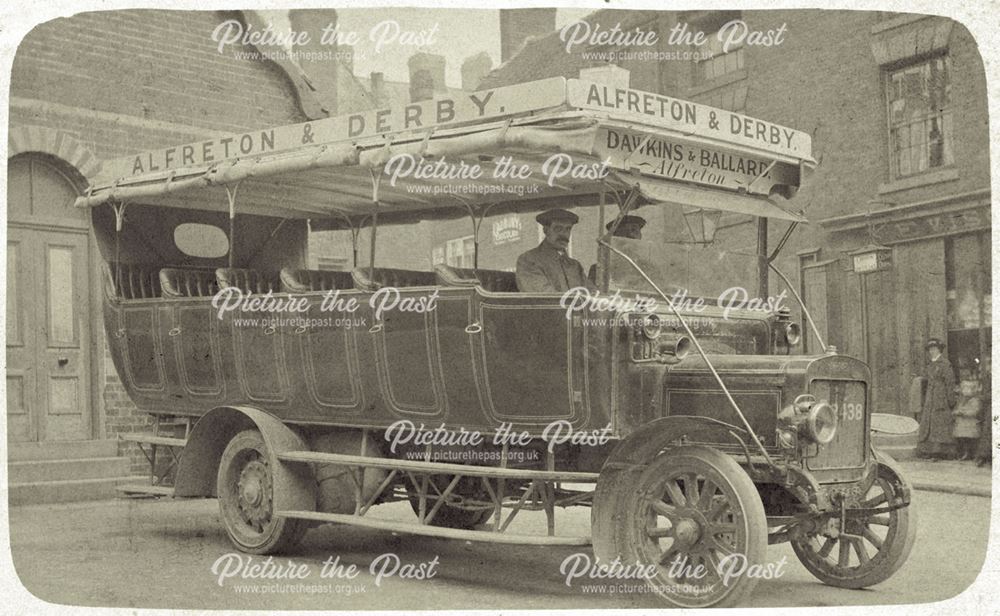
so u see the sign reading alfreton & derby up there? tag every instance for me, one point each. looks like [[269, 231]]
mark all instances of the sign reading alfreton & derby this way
[[470, 107], [690, 118]]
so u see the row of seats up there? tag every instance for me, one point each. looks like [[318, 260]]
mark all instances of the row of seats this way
[[140, 281]]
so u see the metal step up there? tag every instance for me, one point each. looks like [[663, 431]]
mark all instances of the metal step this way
[[153, 439], [137, 488], [442, 468], [488, 536]]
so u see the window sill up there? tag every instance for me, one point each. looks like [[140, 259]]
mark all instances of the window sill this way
[[718, 82], [924, 179]]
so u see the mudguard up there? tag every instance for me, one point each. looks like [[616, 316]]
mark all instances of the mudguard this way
[[630, 457], [294, 484]]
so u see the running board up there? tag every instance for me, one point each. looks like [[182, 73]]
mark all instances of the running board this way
[[488, 536], [442, 468]]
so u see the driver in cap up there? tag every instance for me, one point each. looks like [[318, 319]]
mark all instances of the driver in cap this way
[[547, 268]]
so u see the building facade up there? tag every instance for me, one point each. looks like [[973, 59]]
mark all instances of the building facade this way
[[897, 108]]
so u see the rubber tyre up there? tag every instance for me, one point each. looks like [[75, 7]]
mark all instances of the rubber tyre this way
[[715, 511], [892, 548], [250, 526]]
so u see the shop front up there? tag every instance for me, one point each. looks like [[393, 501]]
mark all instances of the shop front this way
[[933, 279]]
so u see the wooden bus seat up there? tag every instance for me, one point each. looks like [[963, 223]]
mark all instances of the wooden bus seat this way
[[306, 280], [248, 280], [494, 281], [367, 280], [137, 280], [178, 282]]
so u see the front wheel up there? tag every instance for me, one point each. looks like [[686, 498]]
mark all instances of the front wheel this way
[[873, 546], [695, 522], [245, 489]]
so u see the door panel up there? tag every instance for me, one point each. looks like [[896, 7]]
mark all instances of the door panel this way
[[408, 360], [140, 349], [63, 359], [532, 362], [20, 342]]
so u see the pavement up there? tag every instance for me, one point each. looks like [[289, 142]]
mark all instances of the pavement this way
[[947, 476]]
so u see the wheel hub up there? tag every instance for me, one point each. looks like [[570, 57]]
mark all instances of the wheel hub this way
[[687, 532], [253, 490]]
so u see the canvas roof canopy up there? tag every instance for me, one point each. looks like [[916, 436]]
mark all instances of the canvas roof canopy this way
[[536, 145]]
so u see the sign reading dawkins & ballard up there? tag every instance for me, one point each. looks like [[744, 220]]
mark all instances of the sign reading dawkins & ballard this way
[[687, 162]]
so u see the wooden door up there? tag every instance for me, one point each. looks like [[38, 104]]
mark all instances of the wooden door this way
[[48, 304], [48, 329]]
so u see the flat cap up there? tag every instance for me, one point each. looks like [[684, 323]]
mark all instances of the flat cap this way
[[629, 219], [557, 215], [934, 342]]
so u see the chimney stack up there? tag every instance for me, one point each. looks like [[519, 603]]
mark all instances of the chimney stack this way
[[378, 90], [426, 76]]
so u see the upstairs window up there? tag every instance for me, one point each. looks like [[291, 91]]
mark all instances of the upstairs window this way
[[920, 122], [715, 62]]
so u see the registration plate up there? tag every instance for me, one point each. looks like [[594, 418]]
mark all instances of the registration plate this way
[[847, 449]]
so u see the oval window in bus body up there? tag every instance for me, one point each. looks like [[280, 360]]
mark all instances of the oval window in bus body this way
[[201, 240]]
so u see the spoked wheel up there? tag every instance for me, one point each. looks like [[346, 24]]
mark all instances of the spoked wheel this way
[[245, 489], [697, 520], [872, 547], [448, 516]]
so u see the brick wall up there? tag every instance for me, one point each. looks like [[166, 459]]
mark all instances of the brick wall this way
[[127, 81]]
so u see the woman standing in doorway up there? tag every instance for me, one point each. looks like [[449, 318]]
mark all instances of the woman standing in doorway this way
[[936, 421]]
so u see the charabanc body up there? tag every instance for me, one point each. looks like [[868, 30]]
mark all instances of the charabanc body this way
[[317, 395]]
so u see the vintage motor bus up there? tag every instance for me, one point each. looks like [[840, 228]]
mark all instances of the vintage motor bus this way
[[692, 440]]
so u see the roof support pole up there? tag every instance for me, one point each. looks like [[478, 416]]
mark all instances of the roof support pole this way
[[762, 260], [376, 182], [119, 210], [231, 195], [477, 215]]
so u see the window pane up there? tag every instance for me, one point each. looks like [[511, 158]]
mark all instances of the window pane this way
[[200, 240], [920, 123], [61, 320]]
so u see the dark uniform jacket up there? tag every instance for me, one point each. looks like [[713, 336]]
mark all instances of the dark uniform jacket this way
[[544, 269]]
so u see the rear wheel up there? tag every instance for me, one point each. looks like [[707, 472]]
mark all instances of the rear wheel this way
[[873, 546], [694, 518], [245, 489]]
